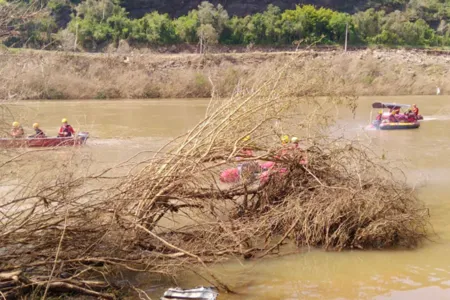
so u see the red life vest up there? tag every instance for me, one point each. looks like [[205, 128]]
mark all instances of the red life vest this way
[[66, 128]]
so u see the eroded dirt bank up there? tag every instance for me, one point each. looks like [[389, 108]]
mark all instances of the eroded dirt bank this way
[[59, 75]]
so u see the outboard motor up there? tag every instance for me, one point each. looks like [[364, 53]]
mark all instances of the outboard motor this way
[[83, 136]]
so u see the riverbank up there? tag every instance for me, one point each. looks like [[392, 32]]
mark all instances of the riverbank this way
[[27, 74]]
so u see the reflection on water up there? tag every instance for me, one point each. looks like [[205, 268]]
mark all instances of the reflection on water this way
[[123, 128]]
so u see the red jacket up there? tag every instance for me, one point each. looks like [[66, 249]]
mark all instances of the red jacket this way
[[68, 129], [415, 110]]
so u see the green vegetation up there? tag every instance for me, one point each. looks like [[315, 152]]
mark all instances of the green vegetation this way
[[96, 23]]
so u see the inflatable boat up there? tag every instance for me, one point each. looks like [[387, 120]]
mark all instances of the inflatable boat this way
[[79, 140], [393, 106], [399, 125], [405, 120]]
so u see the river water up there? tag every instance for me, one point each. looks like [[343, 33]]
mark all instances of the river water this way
[[120, 129]]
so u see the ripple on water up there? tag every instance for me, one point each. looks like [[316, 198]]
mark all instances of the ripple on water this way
[[432, 292]]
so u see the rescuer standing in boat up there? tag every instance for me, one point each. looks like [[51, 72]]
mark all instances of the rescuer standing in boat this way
[[415, 110], [38, 132], [66, 130], [17, 131]]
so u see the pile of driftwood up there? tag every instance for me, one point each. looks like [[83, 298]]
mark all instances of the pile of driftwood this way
[[77, 231]]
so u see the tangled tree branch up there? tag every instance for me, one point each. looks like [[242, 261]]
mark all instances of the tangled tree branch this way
[[171, 210]]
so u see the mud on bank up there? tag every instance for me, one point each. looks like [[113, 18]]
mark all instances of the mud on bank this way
[[60, 75]]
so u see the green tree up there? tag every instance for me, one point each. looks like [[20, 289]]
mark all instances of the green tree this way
[[368, 24], [99, 21], [186, 27], [154, 28], [217, 17], [398, 30], [207, 36], [212, 22], [307, 23], [234, 30]]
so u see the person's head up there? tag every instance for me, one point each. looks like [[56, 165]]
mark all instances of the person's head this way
[[36, 125], [380, 112], [246, 138], [285, 139], [393, 113], [16, 124], [414, 105], [294, 140], [64, 121]]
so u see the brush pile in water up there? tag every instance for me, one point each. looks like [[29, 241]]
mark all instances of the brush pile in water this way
[[172, 210]]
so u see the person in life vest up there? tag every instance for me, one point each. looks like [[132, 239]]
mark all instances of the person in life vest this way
[[379, 116], [296, 147], [411, 117], [392, 118], [66, 130], [295, 142], [17, 131], [285, 146], [415, 110], [247, 149], [38, 132], [284, 139], [378, 119]]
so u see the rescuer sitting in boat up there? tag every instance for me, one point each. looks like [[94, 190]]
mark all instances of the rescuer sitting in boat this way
[[17, 131], [378, 119], [38, 132], [410, 116], [392, 118], [66, 130]]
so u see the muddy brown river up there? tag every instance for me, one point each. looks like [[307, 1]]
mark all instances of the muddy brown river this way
[[121, 128]]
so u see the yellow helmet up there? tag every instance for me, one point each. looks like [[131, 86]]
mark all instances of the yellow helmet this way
[[35, 125], [64, 120], [285, 139], [294, 139], [380, 112], [16, 124], [246, 139]]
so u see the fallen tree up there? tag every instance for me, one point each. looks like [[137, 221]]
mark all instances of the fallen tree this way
[[170, 211]]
